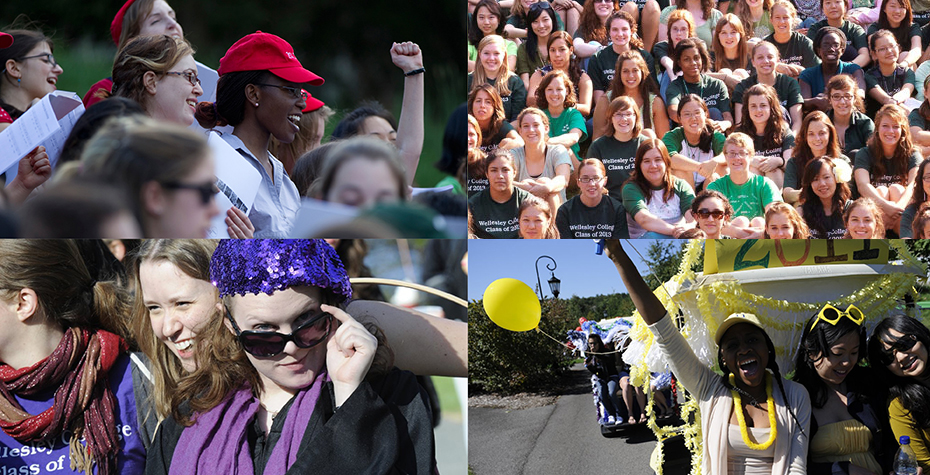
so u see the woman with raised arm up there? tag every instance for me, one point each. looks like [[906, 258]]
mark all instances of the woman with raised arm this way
[[745, 420]]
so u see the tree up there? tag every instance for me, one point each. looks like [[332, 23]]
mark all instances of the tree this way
[[663, 259]]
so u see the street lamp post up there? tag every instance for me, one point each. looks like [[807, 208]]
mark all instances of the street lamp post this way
[[554, 282]]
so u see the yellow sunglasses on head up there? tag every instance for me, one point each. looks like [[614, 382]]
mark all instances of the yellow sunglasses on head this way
[[831, 315]]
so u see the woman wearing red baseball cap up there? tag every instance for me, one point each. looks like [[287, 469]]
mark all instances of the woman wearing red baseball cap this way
[[259, 94], [136, 18]]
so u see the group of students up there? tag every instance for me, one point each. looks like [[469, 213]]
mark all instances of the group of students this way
[[192, 356], [778, 120], [850, 402], [137, 162]]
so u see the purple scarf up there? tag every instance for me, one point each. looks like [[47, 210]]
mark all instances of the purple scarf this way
[[217, 442]]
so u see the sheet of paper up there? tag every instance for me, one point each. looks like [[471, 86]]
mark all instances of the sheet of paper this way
[[237, 180], [208, 79], [315, 217], [910, 104], [416, 191], [48, 123]]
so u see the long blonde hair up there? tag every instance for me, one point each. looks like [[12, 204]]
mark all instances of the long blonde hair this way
[[480, 76]]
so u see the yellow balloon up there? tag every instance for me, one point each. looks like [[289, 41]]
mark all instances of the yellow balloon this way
[[512, 305]]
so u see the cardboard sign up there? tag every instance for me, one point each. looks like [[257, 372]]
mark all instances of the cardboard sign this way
[[731, 255]]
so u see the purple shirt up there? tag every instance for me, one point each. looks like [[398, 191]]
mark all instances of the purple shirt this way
[[35, 459]]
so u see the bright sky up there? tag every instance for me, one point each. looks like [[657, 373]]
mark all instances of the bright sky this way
[[582, 272]]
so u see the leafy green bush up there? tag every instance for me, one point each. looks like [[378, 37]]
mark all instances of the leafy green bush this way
[[507, 362]]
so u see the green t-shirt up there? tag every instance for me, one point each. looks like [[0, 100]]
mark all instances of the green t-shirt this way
[[495, 220], [890, 84], [916, 120], [490, 144], [763, 27], [566, 121], [907, 219], [857, 134], [659, 51], [864, 160], [913, 31], [671, 211], [602, 64], [750, 198], [618, 158], [524, 64], [713, 91], [787, 143], [787, 88], [607, 220], [855, 37], [798, 51], [676, 142], [513, 102], [473, 50]]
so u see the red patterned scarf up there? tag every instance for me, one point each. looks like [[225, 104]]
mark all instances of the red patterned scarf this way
[[84, 402]]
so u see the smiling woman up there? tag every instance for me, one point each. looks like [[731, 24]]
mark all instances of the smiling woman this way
[[259, 94]]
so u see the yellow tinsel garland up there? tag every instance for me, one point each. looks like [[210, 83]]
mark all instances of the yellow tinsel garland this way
[[738, 409], [730, 297]]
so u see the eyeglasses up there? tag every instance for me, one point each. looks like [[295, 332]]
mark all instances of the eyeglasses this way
[[47, 57], [590, 179], [740, 154], [624, 115], [296, 92], [885, 49], [312, 332], [841, 97], [207, 190], [905, 343], [540, 6], [603, 1], [831, 315], [704, 213], [189, 75]]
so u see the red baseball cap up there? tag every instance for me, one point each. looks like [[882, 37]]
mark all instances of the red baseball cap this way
[[116, 27], [6, 40], [312, 102], [266, 52]]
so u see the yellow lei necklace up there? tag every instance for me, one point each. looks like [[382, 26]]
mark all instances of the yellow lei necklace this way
[[742, 421]]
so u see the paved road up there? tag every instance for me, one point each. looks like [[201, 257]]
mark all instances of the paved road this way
[[559, 439]]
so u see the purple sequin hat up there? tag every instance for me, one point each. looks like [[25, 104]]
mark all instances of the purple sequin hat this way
[[254, 266]]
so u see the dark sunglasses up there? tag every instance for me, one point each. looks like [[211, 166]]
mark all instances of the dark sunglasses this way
[[296, 92], [312, 332], [905, 343], [706, 213], [207, 190], [539, 6]]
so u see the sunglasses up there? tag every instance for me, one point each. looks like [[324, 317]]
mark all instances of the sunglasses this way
[[831, 315], [312, 332], [706, 213], [905, 343], [207, 190], [296, 92], [539, 6]]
